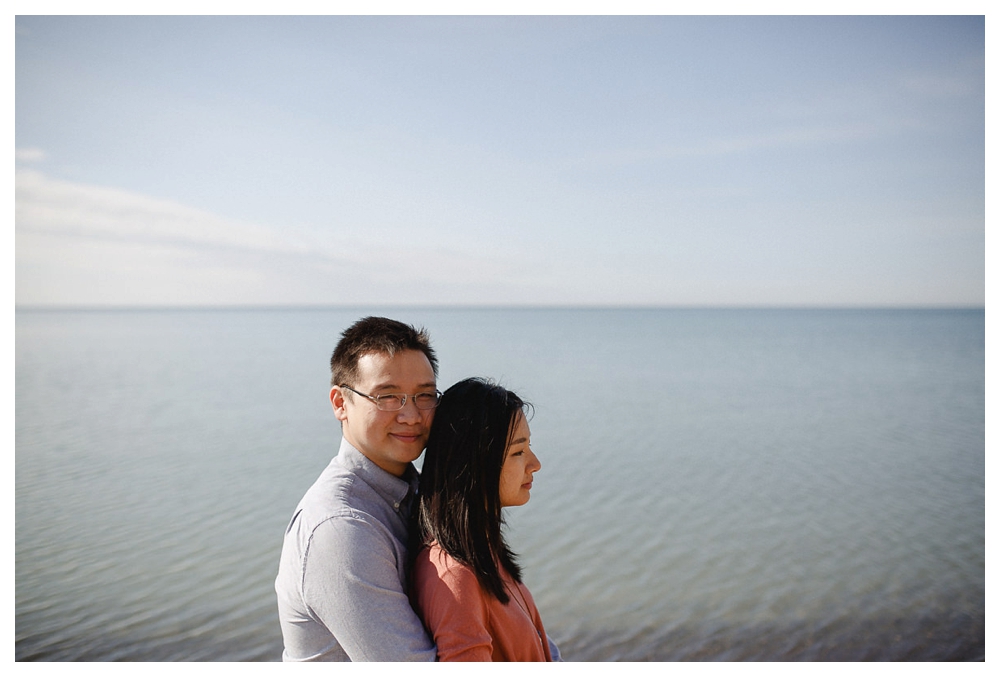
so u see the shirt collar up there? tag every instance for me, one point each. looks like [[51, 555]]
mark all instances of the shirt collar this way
[[392, 489]]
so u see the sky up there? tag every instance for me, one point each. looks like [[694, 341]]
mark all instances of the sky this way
[[705, 161]]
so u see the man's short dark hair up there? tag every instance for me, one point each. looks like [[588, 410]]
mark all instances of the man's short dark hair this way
[[375, 335]]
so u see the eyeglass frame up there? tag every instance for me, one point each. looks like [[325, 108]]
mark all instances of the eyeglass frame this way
[[376, 398]]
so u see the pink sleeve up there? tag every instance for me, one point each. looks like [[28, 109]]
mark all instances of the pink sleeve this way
[[453, 608]]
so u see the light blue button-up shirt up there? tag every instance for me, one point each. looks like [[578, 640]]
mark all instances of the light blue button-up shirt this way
[[341, 580]]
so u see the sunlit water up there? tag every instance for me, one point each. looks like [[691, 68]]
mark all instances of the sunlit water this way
[[716, 485]]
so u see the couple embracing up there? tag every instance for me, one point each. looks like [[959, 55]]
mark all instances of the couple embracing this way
[[382, 564]]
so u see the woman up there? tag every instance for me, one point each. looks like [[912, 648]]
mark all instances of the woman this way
[[466, 581]]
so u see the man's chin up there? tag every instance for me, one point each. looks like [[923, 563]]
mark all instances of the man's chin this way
[[410, 440], [411, 446]]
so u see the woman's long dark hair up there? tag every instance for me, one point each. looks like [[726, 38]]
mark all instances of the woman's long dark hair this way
[[459, 498]]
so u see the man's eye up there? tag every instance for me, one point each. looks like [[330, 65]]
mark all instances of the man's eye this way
[[425, 397], [390, 399]]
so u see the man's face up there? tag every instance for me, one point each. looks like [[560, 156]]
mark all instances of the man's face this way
[[391, 439]]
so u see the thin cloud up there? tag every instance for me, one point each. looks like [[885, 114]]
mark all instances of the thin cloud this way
[[720, 146], [941, 86], [79, 243], [56, 207], [29, 155]]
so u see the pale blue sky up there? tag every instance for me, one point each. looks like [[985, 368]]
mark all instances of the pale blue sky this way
[[744, 161]]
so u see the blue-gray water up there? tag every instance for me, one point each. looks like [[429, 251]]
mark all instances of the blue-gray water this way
[[716, 484]]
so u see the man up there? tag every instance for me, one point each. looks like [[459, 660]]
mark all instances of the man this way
[[341, 582]]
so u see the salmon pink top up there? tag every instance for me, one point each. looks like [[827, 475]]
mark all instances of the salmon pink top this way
[[466, 622]]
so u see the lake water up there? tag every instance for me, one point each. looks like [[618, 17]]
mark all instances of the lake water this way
[[716, 484]]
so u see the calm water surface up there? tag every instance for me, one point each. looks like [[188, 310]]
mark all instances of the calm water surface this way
[[716, 484]]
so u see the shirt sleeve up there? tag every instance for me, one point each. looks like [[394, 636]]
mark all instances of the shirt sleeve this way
[[554, 650], [454, 608], [351, 583]]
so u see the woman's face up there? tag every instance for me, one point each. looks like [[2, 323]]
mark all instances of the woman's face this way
[[519, 464]]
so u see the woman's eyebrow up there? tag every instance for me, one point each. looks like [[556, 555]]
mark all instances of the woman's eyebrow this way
[[519, 440]]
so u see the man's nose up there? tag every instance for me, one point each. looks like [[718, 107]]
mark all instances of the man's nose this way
[[409, 412]]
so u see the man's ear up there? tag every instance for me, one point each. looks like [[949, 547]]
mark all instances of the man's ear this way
[[337, 400]]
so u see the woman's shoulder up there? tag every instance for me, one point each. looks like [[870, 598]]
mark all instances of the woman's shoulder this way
[[433, 563], [435, 556]]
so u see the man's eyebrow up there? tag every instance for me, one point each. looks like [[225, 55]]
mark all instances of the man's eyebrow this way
[[395, 388]]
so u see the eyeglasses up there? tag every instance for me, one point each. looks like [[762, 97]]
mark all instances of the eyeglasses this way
[[396, 401]]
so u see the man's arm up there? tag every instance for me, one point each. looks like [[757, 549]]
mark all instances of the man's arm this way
[[554, 650], [351, 583]]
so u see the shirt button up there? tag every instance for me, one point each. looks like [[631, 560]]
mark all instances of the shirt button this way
[[396, 506]]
